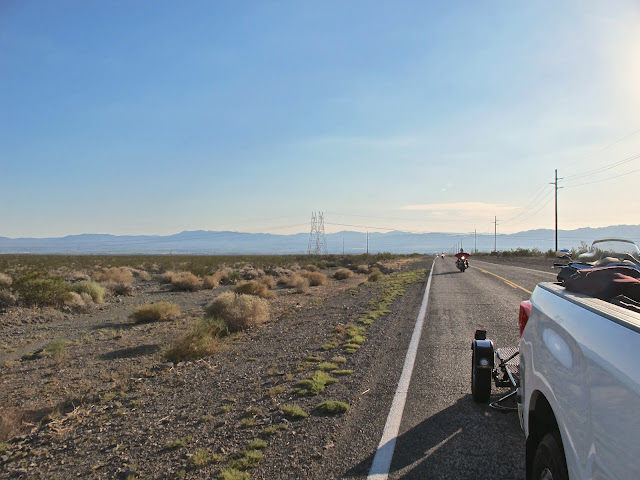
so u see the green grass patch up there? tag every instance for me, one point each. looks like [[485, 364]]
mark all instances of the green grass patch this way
[[277, 390], [332, 407], [329, 346], [257, 444], [56, 348], [339, 360], [293, 412], [178, 442], [201, 458], [314, 358], [315, 384], [249, 458], [342, 372], [231, 473], [327, 366]]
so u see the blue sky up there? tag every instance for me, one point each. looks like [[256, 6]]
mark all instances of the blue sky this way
[[153, 117]]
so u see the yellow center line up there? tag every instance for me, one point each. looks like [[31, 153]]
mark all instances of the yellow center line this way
[[508, 282]]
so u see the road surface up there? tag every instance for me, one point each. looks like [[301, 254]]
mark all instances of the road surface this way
[[443, 433]]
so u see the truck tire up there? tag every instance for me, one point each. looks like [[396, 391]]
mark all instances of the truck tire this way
[[480, 382], [549, 462]]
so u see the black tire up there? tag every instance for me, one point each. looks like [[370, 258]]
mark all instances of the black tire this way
[[549, 462], [480, 383]]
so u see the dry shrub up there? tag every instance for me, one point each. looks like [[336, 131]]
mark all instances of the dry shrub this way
[[202, 340], [268, 280], [141, 275], [312, 268], [294, 280], [343, 274], [210, 281], [315, 278], [115, 275], [239, 312], [218, 277], [362, 269], [167, 276], [11, 423], [155, 312], [75, 276], [6, 299], [95, 291], [252, 287], [122, 289], [5, 280], [78, 301], [375, 274], [185, 281], [252, 273]]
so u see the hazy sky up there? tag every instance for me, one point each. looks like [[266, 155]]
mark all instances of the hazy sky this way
[[153, 117]]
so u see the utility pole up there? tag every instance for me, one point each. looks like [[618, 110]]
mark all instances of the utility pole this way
[[555, 184], [495, 232], [317, 241], [367, 242], [475, 241]]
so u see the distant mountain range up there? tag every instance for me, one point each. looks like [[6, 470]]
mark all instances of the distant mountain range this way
[[229, 243]]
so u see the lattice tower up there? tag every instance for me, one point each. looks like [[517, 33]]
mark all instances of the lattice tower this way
[[317, 241]]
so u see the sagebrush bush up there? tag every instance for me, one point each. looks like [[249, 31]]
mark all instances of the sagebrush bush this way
[[5, 280], [375, 274], [7, 299], [114, 274], [210, 281], [343, 274], [185, 281], [42, 290], [154, 312], [252, 287], [268, 280], [78, 301], [296, 281], [315, 278], [202, 340], [122, 288], [94, 290], [141, 275], [362, 269], [239, 312], [312, 268]]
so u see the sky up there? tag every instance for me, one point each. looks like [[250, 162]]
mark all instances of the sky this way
[[154, 117]]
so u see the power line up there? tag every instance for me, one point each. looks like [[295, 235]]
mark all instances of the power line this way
[[602, 180], [603, 169], [604, 148]]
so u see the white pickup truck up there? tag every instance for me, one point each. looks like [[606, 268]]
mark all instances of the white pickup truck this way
[[579, 389]]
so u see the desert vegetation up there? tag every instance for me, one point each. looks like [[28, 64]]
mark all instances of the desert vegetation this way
[[119, 358]]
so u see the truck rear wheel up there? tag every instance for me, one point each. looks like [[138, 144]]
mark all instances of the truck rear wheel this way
[[480, 382], [549, 462]]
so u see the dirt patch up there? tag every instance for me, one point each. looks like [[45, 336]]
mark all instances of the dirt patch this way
[[106, 405]]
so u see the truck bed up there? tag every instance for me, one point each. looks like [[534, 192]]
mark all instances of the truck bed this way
[[615, 313]]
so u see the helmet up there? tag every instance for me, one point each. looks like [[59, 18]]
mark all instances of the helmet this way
[[461, 250]]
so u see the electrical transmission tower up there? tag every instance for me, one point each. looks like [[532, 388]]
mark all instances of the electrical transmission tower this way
[[317, 242]]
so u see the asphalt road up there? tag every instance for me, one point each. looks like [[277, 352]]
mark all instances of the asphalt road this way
[[444, 434]]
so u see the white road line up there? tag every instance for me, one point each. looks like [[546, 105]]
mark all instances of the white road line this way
[[555, 274], [384, 454]]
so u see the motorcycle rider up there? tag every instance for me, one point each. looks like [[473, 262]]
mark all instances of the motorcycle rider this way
[[462, 257]]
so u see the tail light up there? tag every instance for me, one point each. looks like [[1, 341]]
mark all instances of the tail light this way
[[523, 317]]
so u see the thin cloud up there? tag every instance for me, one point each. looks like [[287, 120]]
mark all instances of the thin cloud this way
[[462, 208]]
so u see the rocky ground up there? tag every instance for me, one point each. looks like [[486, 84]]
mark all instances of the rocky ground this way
[[109, 405]]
